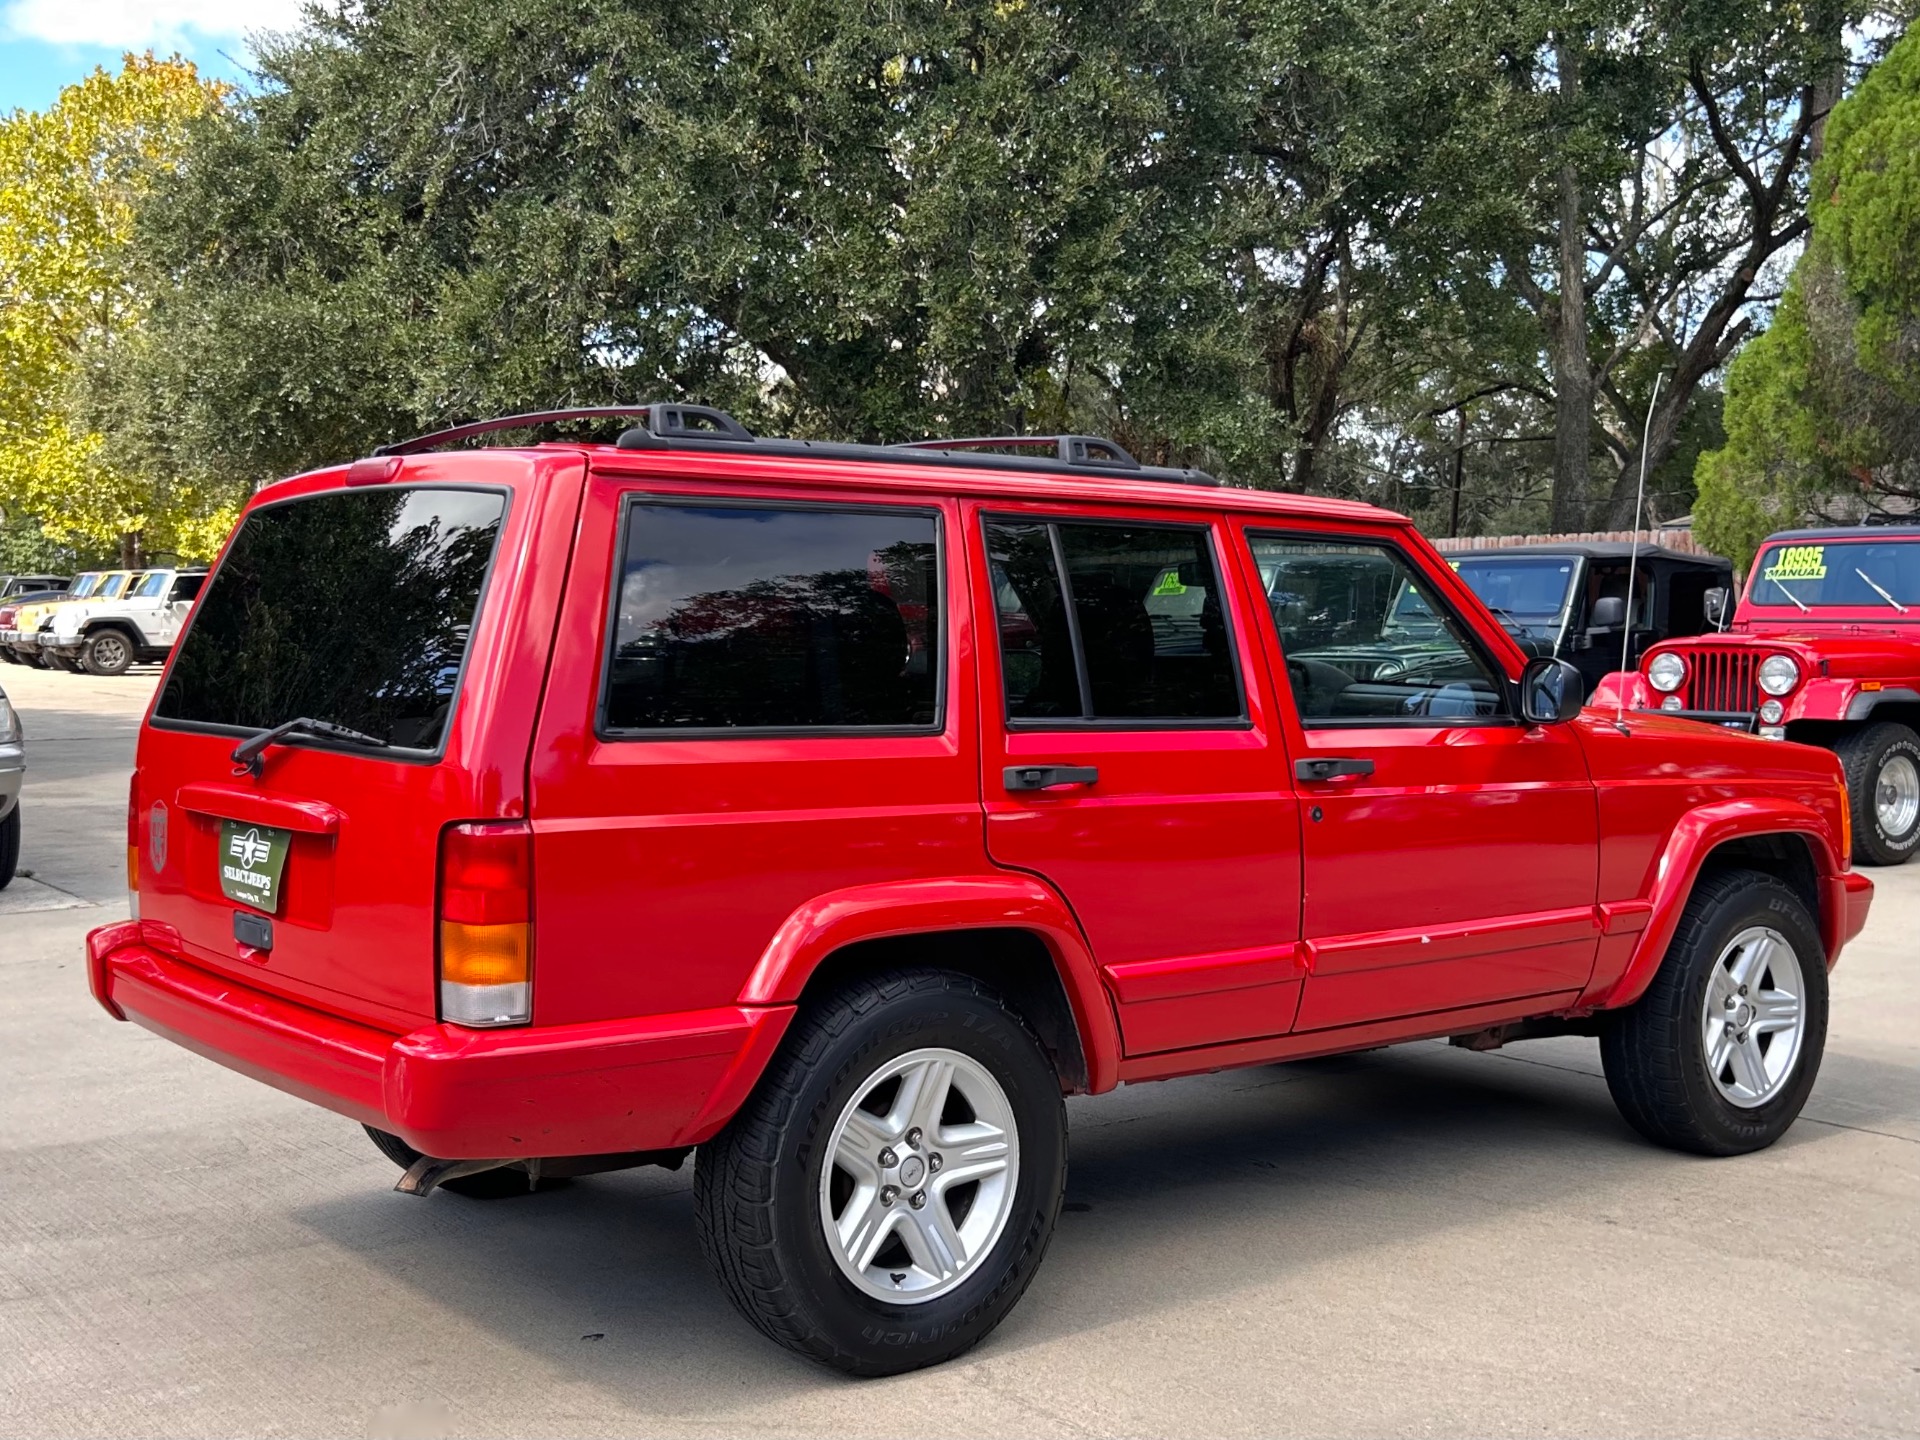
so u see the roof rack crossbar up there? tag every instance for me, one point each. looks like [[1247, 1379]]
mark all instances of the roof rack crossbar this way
[[1068, 449], [656, 421], [676, 426]]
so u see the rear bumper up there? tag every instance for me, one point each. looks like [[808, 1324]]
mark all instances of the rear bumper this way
[[647, 1084]]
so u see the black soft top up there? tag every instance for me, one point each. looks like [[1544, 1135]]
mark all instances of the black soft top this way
[[1599, 550]]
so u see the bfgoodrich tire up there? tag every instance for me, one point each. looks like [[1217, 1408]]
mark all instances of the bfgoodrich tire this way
[[1882, 764], [886, 1194], [1719, 1055]]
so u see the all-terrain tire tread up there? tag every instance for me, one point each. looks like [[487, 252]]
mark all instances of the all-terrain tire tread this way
[[1643, 1052], [734, 1172], [1857, 752]]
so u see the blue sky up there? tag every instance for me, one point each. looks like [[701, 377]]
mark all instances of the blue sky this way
[[47, 44]]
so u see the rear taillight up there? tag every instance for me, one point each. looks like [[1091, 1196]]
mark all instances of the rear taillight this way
[[486, 930], [133, 843]]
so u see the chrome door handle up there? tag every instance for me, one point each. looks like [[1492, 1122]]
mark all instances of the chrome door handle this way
[[1331, 768], [1048, 777]]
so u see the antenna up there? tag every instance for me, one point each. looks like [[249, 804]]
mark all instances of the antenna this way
[[1633, 554]]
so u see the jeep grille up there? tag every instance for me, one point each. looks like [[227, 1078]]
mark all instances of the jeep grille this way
[[1722, 679]]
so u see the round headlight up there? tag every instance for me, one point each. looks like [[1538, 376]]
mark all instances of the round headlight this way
[[1667, 672], [1779, 674]]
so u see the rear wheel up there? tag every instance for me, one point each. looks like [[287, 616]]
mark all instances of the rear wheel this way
[[499, 1184], [886, 1195], [107, 652], [9, 845], [1719, 1055], [1882, 764]]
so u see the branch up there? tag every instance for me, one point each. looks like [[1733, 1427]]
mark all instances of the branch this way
[[1723, 141]]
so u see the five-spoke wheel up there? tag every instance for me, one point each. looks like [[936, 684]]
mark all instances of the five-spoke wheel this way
[[1752, 1018], [1719, 1054], [885, 1195], [925, 1162]]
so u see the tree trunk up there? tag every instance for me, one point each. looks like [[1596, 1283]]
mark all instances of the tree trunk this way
[[1572, 368]]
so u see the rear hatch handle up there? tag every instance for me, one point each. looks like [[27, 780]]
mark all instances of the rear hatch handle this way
[[247, 755]]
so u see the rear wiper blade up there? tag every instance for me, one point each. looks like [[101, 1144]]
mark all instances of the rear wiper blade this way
[[246, 755]]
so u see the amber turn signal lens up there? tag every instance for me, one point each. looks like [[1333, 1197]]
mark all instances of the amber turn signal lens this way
[[483, 954]]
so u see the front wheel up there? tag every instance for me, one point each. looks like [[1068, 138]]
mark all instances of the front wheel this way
[[107, 653], [1882, 764], [885, 1197], [1719, 1055]]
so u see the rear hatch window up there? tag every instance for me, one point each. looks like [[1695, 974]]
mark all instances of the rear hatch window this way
[[351, 606]]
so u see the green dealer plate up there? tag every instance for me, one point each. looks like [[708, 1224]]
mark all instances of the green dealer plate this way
[[252, 860]]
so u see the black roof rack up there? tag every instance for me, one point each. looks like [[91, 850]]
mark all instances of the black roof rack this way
[[701, 427]]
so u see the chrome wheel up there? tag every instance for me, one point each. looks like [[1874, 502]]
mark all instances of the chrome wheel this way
[[920, 1176], [1896, 796], [1754, 1016]]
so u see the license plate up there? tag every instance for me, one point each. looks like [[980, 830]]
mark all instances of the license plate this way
[[253, 859]]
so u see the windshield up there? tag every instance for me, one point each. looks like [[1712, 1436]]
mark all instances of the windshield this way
[[1525, 590], [113, 586], [85, 585], [353, 606], [151, 584], [1870, 574]]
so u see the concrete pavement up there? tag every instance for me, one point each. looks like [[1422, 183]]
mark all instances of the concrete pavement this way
[[1415, 1241]]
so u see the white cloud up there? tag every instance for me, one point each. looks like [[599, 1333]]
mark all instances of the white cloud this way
[[140, 24]]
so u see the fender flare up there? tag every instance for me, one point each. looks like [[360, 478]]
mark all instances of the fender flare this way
[[1009, 901], [1693, 838]]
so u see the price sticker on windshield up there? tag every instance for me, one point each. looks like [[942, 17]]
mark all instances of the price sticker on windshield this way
[[252, 858], [1798, 562]]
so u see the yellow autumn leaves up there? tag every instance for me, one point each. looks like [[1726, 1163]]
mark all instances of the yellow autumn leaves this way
[[71, 180]]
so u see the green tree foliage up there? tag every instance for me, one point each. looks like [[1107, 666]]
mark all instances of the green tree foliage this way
[[1209, 232], [1823, 410], [1433, 255]]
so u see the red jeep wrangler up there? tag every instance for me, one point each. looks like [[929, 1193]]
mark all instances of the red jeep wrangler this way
[[1824, 649], [832, 811]]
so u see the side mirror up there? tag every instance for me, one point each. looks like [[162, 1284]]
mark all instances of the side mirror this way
[[1714, 602], [1609, 613], [1551, 691]]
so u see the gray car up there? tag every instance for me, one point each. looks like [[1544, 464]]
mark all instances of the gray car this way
[[13, 764]]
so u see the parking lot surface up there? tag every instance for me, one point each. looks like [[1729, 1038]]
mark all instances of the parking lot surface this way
[[1414, 1241]]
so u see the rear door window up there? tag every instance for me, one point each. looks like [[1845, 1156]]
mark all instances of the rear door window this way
[[744, 617], [351, 606], [1113, 622]]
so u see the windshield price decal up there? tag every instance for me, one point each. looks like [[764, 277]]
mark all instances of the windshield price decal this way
[[1798, 562]]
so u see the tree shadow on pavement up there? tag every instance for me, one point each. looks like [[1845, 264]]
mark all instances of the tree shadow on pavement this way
[[1178, 1192]]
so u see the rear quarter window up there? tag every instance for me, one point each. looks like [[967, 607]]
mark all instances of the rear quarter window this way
[[746, 617]]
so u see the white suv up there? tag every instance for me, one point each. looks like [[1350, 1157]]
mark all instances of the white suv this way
[[107, 636]]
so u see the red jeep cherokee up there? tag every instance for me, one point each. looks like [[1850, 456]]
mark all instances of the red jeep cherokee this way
[[832, 811], [1824, 649]]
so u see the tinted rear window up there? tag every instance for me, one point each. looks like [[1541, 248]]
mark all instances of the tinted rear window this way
[[353, 606]]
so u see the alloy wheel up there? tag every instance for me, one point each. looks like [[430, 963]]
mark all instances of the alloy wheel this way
[[1753, 1017], [922, 1168]]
